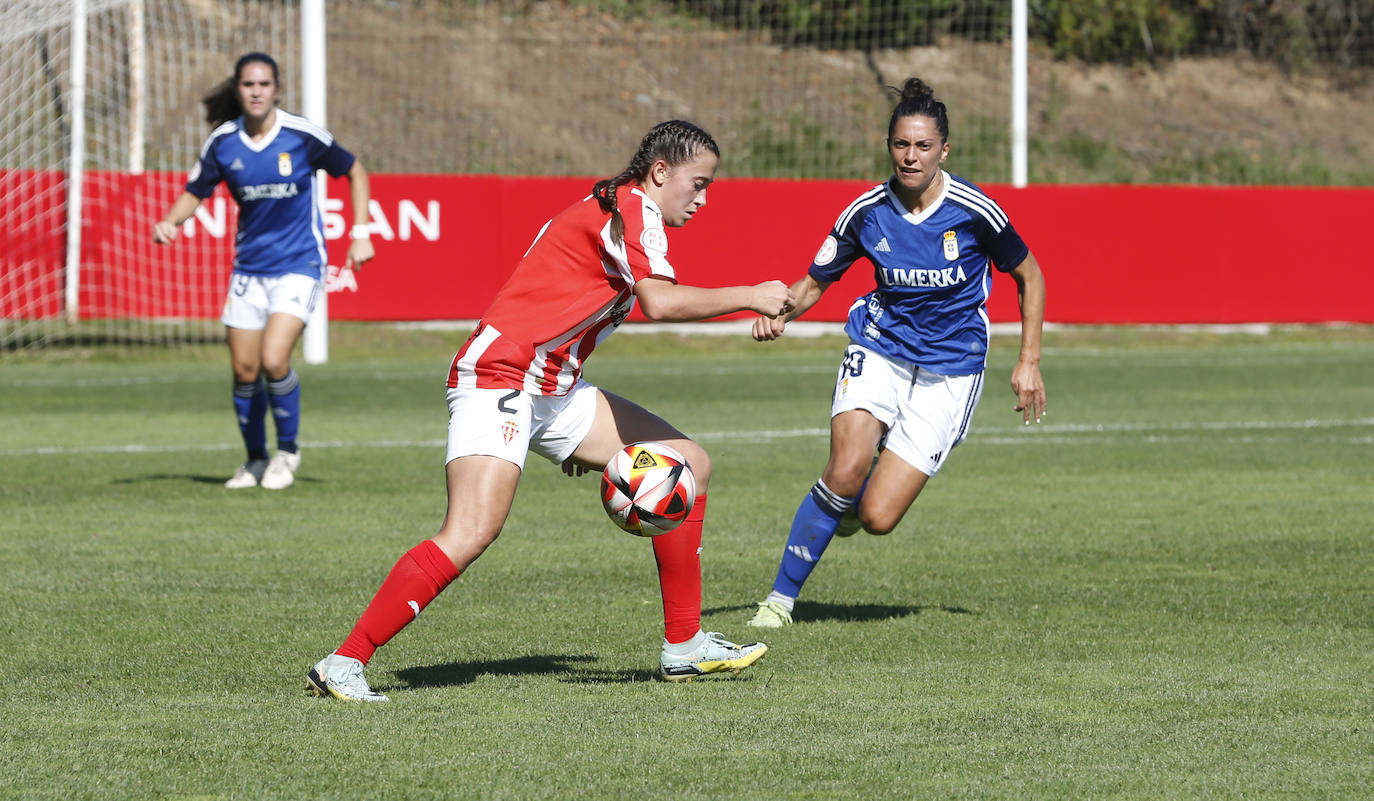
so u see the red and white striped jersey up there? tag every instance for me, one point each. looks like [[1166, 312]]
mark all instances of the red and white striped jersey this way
[[569, 292]]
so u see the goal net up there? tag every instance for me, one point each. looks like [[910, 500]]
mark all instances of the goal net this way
[[147, 63]]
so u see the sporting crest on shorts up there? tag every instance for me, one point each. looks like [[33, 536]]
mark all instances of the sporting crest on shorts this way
[[509, 429]]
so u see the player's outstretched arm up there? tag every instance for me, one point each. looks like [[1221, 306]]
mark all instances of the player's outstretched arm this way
[[165, 230], [805, 291], [360, 193], [1025, 376], [667, 302]]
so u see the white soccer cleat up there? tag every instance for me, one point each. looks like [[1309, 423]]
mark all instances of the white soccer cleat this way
[[248, 475], [770, 615], [341, 677], [715, 655], [281, 472]]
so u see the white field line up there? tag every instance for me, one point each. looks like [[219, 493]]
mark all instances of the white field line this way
[[1037, 434]]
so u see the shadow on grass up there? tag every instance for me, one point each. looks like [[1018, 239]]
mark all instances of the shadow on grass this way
[[812, 612], [452, 673], [194, 479], [565, 668]]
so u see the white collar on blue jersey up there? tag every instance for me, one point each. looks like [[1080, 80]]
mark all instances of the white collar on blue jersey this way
[[917, 219], [267, 139]]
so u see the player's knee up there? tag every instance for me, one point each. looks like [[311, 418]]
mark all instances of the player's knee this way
[[245, 372], [700, 462], [845, 478], [878, 521], [276, 366]]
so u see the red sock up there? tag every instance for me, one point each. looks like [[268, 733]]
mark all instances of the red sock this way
[[418, 577], [678, 554]]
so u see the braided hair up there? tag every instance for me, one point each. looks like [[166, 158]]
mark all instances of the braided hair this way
[[916, 99], [222, 103], [675, 142]]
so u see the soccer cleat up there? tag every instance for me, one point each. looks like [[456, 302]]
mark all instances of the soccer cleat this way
[[281, 472], [715, 655], [771, 615], [248, 475], [341, 677]]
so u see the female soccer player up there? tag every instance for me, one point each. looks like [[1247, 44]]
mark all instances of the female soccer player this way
[[912, 373], [268, 158], [516, 386]]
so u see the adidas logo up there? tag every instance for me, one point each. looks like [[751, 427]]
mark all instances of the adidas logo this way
[[237, 165], [882, 247]]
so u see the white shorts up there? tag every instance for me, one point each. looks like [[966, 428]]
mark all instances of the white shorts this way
[[926, 414], [508, 423], [254, 298]]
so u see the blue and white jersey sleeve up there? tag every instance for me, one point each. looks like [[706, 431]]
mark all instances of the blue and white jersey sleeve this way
[[206, 174], [280, 227], [843, 247], [996, 239]]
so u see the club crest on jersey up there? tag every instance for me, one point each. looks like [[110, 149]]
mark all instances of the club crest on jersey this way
[[509, 429], [951, 246], [827, 252], [284, 164]]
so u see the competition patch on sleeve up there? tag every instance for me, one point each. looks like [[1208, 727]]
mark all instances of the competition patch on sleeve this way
[[194, 174], [654, 240], [827, 252]]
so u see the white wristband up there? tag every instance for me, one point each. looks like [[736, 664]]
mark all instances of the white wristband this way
[[360, 232]]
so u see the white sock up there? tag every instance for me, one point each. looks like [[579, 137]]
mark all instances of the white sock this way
[[778, 598], [685, 648]]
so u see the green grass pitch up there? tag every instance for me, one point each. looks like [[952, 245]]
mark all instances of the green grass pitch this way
[[1165, 590]]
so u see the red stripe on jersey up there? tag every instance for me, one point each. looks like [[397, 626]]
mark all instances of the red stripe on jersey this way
[[569, 292]]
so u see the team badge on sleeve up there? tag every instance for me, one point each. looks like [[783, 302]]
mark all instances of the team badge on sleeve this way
[[653, 239], [951, 246], [284, 164], [827, 252]]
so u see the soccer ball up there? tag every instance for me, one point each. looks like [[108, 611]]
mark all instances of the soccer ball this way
[[648, 489]]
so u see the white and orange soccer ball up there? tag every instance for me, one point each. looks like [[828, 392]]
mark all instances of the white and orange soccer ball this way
[[648, 489]]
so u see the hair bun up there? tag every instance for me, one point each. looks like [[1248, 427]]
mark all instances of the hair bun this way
[[916, 89]]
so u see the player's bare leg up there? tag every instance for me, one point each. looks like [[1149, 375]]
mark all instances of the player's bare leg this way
[[687, 651]]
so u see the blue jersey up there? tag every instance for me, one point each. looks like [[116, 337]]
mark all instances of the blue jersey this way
[[932, 270], [280, 226]]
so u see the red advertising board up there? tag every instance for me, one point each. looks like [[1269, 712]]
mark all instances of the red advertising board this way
[[445, 244]]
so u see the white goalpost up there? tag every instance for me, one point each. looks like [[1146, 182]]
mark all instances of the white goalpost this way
[[102, 122], [314, 92]]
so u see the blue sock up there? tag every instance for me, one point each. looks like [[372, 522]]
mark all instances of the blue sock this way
[[250, 406], [285, 397], [812, 529]]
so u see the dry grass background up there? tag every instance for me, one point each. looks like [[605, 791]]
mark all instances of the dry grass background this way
[[566, 89]]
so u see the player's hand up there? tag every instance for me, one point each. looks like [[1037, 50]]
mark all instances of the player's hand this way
[[164, 232], [1030, 391], [773, 298], [767, 329], [573, 469], [359, 252]]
